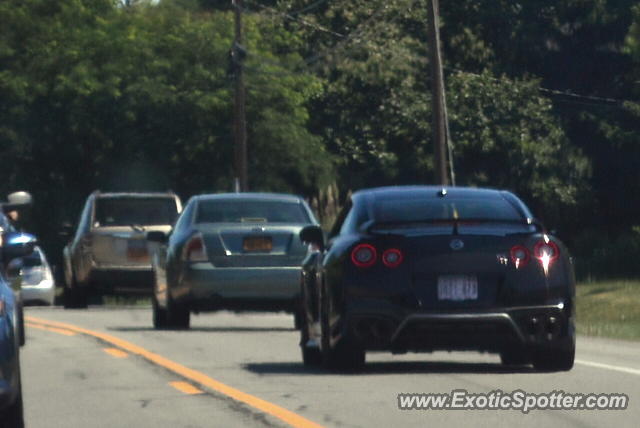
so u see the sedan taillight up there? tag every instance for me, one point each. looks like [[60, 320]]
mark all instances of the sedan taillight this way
[[195, 250]]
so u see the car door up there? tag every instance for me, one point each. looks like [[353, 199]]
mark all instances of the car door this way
[[77, 248]]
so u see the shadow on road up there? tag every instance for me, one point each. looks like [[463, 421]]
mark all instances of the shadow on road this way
[[228, 329], [390, 367]]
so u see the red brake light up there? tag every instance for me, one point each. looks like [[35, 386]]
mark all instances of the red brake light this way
[[519, 256], [546, 250], [364, 255], [392, 258], [194, 250]]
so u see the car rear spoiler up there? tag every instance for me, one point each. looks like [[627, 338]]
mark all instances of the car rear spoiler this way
[[369, 226]]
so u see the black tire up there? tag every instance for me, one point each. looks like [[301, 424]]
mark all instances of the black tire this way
[[22, 337], [160, 317], [346, 355], [13, 415], [310, 356], [554, 359], [75, 297], [297, 318], [178, 315], [561, 356]]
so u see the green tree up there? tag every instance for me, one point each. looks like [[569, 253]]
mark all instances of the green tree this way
[[95, 95]]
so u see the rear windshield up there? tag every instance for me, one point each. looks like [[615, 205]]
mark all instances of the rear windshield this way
[[135, 211], [247, 211], [428, 210]]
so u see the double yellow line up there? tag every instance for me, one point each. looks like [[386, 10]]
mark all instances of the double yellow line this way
[[194, 376]]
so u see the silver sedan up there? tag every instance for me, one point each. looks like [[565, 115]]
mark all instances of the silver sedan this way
[[230, 251]]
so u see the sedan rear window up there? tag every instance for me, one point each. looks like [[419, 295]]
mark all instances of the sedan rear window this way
[[135, 211], [428, 210], [248, 211]]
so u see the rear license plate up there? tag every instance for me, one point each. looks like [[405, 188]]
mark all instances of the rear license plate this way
[[137, 250], [257, 244], [457, 287]]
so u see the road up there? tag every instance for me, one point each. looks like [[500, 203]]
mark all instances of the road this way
[[244, 370]]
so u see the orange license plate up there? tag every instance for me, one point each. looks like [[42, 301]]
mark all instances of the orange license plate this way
[[257, 243]]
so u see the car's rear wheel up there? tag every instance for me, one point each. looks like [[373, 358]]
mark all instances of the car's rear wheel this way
[[346, 355], [554, 359], [297, 318], [75, 297], [22, 337], [160, 320], [178, 315], [559, 357], [311, 356], [13, 415]]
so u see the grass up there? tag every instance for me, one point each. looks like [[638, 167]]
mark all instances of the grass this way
[[609, 309]]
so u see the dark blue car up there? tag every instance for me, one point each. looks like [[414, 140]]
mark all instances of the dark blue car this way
[[10, 389], [420, 269], [13, 246]]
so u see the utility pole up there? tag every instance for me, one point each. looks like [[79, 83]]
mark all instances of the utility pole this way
[[437, 95], [241, 181]]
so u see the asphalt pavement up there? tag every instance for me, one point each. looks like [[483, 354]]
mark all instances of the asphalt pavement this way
[[108, 367]]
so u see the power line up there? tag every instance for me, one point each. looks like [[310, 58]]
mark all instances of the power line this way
[[611, 102], [308, 8], [302, 21], [344, 39], [362, 27], [351, 37]]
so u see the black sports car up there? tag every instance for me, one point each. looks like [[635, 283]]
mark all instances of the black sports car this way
[[421, 268]]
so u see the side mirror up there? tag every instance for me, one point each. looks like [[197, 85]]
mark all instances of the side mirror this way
[[313, 235], [17, 200], [157, 236], [17, 244]]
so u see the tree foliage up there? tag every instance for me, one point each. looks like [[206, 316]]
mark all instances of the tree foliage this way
[[542, 99], [94, 95]]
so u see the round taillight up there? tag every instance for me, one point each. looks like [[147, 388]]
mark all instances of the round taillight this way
[[364, 255], [519, 256], [392, 257], [546, 250]]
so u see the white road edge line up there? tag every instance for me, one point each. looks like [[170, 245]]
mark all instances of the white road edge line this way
[[609, 367]]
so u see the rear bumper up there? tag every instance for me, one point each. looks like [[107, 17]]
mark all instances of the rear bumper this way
[[42, 292], [206, 286], [121, 280], [388, 327]]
